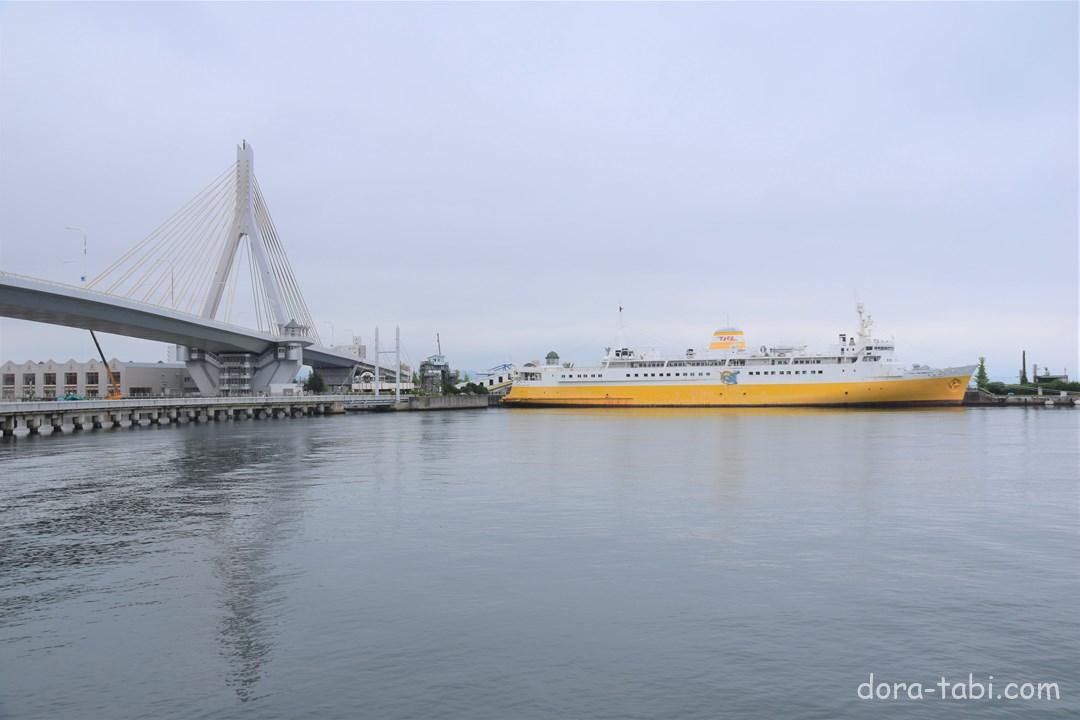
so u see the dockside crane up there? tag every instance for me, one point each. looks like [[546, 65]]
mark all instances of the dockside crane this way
[[114, 387]]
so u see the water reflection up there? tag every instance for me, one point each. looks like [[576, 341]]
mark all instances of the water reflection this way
[[240, 489]]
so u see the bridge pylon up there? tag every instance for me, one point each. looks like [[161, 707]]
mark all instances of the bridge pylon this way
[[217, 374]]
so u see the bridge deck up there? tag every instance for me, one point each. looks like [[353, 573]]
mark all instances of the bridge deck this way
[[27, 298]]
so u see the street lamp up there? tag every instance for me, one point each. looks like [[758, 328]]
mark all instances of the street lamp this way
[[82, 230]]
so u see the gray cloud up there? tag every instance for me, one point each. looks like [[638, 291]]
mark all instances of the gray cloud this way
[[508, 174]]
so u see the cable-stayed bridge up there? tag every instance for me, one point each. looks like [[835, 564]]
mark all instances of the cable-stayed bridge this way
[[183, 284]]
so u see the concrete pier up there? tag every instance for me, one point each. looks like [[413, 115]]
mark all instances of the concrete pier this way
[[59, 417]]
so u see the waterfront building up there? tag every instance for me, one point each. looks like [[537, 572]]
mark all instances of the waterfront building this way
[[51, 379], [434, 374]]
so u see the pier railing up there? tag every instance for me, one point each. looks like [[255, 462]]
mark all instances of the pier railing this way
[[52, 406]]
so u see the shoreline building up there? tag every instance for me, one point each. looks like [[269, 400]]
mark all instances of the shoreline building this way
[[51, 379]]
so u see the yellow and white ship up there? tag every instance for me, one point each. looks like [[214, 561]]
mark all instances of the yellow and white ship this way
[[857, 370]]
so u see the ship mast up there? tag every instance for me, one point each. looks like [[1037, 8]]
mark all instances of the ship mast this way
[[619, 342], [865, 323]]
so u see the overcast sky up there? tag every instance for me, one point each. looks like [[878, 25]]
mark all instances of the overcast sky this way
[[507, 174]]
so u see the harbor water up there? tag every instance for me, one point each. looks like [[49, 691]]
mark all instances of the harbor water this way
[[512, 564]]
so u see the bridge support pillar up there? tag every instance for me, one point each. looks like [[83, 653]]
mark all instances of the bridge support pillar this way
[[204, 368], [277, 366], [8, 427]]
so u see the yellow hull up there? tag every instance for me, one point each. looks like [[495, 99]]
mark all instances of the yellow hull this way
[[944, 390]]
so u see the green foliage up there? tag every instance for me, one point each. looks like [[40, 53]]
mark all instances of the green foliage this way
[[981, 378], [1000, 388], [1061, 385], [315, 383], [474, 389]]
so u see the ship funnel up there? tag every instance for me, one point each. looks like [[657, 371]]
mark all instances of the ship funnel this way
[[728, 339]]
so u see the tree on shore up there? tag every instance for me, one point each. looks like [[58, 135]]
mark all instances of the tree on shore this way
[[981, 378], [315, 382]]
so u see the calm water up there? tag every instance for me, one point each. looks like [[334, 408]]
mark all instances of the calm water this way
[[541, 564]]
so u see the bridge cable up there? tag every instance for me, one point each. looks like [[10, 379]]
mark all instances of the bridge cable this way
[[171, 220], [187, 259], [178, 243]]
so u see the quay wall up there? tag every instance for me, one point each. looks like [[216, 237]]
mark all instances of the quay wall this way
[[981, 398], [446, 402]]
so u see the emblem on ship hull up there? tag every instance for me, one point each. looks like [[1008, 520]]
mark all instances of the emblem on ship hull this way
[[729, 377]]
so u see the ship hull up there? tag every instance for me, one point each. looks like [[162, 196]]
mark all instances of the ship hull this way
[[944, 389]]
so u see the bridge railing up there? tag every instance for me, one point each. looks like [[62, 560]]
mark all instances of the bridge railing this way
[[52, 406]]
